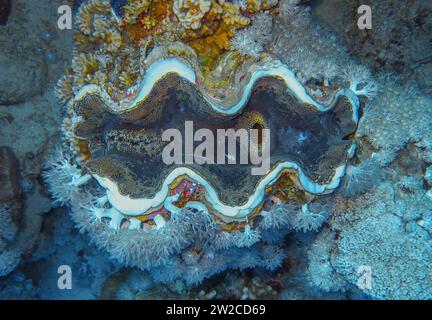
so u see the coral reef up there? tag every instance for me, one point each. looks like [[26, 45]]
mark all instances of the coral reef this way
[[251, 41], [403, 104], [383, 48], [134, 217], [391, 237], [344, 211], [206, 26], [360, 178]]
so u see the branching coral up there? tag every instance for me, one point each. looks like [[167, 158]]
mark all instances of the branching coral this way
[[399, 262], [248, 237], [244, 43], [156, 249], [318, 55], [278, 217], [386, 230]]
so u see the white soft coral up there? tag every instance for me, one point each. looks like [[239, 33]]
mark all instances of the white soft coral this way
[[63, 178], [306, 220], [251, 41], [245, 44], [361, 81]]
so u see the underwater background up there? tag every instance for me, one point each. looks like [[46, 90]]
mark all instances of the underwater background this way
[[363, 234]]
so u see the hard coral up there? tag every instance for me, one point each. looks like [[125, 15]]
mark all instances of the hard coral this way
[[396, 109], [191, 12], [134, 9], [320, 272], [389, 232]]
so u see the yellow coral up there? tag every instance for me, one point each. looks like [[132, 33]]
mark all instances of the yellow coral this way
[[126, 79], [191, 12], [86, 70], [112, 40], [88, 10], [134, 9], [108, 52], [84, 63], [64, 88], [232, 15], [255, 6]]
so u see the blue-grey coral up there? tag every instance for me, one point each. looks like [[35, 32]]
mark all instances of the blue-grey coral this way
[[320, 273], [387, 231], [399, 115]]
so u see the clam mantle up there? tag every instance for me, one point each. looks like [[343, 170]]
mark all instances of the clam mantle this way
[[123, 138]]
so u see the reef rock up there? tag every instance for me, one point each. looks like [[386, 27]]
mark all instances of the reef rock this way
[[9, 175], [5, 10], [22, 77]]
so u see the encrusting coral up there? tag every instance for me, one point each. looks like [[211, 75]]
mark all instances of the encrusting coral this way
[[207, 27]]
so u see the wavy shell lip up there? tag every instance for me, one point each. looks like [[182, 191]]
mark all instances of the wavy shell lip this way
[[123, 199], [135, 207], [162, 68]]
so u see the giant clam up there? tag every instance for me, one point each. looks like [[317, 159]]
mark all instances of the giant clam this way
[[124, 143], [208, 205]]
